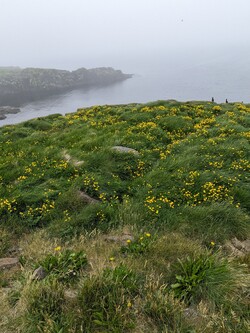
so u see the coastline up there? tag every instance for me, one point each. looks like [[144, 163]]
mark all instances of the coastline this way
[[5, 110], [22, 86]]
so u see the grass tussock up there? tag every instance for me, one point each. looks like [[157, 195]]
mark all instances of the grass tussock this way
[[151, 239]]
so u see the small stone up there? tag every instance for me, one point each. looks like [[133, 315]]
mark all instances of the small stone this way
[[70, 294], [86, 198], [71, 160], [122, 149], [190, 313], [77, 163], [8, 262], [39, 274], [67, 157], [120, 239]]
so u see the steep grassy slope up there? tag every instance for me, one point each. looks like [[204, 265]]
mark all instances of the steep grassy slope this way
[[151, 240]]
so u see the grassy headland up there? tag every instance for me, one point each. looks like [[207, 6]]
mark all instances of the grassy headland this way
[[151, 240]]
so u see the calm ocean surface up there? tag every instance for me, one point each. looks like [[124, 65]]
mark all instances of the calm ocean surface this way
[[182, 79]]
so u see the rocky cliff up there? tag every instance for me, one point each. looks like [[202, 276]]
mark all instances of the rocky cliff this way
[[18, 86]]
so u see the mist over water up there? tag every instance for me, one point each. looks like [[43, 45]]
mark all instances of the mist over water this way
[[190, 76]]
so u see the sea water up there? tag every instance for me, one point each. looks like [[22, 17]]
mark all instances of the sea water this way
[[160, 77]]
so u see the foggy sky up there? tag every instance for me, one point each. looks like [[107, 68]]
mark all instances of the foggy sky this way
[[89, 33]]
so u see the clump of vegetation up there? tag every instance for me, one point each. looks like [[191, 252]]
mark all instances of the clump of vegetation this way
[[65, 265], [139, 245], [164, 310], [4, 241], [107, 302], [203, 277], [182, 192], [44, 308]]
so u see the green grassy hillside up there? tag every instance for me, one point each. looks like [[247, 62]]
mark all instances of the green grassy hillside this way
[[154, 238]]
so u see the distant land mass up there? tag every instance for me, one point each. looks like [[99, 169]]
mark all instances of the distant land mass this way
[[19, 86]]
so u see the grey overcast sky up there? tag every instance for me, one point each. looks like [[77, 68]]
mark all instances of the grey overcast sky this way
[[96, 32]]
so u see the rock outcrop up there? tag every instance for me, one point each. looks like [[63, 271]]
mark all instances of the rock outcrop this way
[[25, 85], [6, 110]]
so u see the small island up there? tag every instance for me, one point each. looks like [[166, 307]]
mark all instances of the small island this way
[[19, 86]]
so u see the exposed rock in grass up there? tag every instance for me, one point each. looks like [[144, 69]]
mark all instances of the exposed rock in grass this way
[[122, 149], [243, 246], [238, 248], [70, 294], [71, 160], [8, 262], [39, 274], [232, 250], [77, 163], [86, 198], [120, 239]]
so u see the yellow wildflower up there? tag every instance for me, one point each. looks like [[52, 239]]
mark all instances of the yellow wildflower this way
[[58, 248]]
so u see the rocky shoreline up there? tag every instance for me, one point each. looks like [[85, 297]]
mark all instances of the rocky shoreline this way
[[4, 110], [19, 86]]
